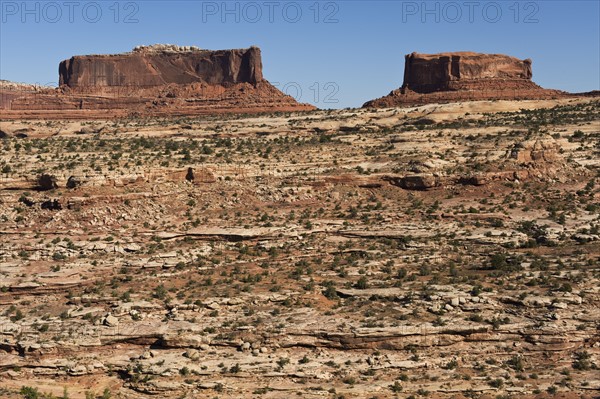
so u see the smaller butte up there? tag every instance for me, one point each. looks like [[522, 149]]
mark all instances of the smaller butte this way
[[464, 76]]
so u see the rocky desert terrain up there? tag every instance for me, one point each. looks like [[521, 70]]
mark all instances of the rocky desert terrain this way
[[439, 251]]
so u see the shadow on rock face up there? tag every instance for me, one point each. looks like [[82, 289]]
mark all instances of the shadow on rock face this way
[[190, 174], [52, 205]]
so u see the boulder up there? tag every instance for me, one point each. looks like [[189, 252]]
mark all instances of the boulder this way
[[192, 354], [422, 181], [26, 201], [541, 150], [475, 180], [74, 182], [52, 205], [204, 176], [245, 346], [47, 182], [111, 321], [86, 130], [183, 341]]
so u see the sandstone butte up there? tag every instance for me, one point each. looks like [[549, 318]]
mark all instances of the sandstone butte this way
[[464, 76], [157, 80]]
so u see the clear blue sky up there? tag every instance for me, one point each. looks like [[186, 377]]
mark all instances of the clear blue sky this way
[[358, 46]]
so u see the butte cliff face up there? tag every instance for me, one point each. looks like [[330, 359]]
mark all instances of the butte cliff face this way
[[459, 76], [426, 73], [158, 80], [158, 66]]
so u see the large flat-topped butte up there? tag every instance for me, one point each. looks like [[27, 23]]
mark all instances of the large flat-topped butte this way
[[157, 80]]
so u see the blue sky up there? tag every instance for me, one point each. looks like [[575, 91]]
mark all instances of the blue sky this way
[[331, 53]]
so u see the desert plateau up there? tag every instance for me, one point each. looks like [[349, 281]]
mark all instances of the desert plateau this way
[[174, 226]]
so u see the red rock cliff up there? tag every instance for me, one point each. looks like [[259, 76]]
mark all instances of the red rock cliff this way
[[158, 66], [158, 80], [463, 76], [426, 73]]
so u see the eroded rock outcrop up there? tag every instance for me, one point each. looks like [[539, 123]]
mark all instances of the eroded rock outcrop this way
[[158, 80], [425, 73], [422, 181], [541, 150], [151, 67], [460, 76], [47, 182]]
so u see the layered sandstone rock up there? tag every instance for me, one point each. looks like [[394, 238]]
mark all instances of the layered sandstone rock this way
[[158, 80], [422, 181], [426, 73], [542, 150], [461, 76], [147, 67]]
